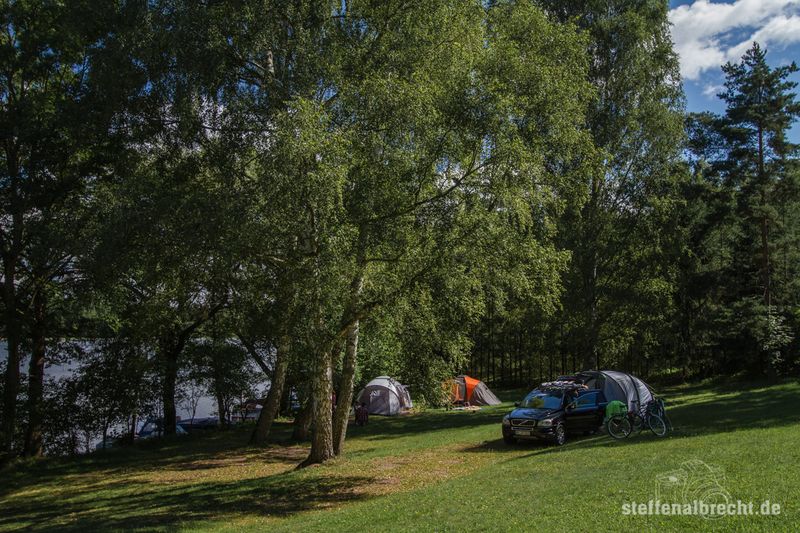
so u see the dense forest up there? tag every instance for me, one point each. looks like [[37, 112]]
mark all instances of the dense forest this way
[[205, 195]]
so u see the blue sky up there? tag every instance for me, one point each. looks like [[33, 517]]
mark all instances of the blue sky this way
[[707, 33]]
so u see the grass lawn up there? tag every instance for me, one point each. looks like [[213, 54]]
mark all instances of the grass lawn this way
[[436, 471]]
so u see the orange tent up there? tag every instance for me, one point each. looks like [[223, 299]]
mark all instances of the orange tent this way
[[470, 383], [465, 389]]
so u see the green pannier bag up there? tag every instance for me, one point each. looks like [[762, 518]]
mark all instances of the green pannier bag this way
[[615, 408]]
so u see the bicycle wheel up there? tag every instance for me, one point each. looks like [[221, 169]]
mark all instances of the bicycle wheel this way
[[618, 426], [657, 425], [637, 423]]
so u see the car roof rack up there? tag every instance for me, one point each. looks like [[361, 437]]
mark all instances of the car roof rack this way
[[562, 385]]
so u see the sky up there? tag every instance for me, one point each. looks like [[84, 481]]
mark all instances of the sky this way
[[709, 33]]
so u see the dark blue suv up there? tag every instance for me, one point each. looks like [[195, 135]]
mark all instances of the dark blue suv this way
[[552, 413]]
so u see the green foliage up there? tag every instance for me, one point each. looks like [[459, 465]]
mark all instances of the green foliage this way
[[60, 137], [112, 385], [225, 370], [484, 187], [745, 197], [612, 291]]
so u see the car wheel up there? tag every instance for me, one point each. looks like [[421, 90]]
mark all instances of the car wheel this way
[[508, 439], [561, 434]]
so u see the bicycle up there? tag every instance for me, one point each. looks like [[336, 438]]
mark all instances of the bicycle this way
[[652, 415], [657, 410], [619, 426]]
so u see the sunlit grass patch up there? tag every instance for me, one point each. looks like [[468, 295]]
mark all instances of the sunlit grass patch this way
[[422, 472]]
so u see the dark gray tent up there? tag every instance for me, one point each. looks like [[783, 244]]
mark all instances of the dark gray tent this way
[[385, 396], [618, 386]]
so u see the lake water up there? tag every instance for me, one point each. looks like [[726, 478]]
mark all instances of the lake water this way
[[205, 408]]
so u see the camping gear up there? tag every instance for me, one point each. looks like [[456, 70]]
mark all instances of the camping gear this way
[[615, 408], [464, 389], [659, 409], [362, 416], [385, 396], [634, 392], [620, 423]]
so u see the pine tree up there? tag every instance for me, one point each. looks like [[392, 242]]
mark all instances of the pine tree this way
[[745, 154], [760, 110]]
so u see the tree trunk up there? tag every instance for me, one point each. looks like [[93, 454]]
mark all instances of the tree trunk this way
[[11, 388], [33, 435], [766, 359], [271, 407], [302, 423], [11, 251], [345, 398], [170, 347], [169, 355], [223, 422], [321, 390], [251, 349], [134, 420]]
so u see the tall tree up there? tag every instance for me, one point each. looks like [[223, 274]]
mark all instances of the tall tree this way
[[57, 135], [170, 217], [746, 154], [421, 144], [618, 265]]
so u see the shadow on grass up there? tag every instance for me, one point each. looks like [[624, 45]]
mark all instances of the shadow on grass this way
[[183, 452], [726, 409], [98, 502], [147, 506], [742, 409], [391, 427], [542, 447], [101, 502]]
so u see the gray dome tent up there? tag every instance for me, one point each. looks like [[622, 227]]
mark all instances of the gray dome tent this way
[[384, 396], [621, 386]]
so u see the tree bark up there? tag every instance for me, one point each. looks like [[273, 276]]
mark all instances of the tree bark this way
[[11, 388], [251, 349], [169, 356], [302, 423], [134, 420], [172, 346], [11, 250], [223, 422], [321, 415], [345, 398], [33, 434], [272, 405]]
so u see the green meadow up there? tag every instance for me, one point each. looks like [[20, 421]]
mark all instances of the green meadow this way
[[431, 471]]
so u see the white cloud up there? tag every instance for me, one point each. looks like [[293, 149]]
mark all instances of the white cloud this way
[[781, 30], [711, 90], [701, 30]]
